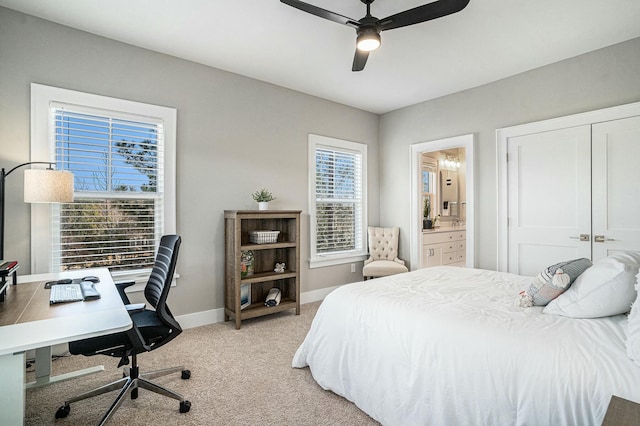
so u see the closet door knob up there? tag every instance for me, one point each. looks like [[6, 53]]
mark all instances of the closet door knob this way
[[582, 237], [601, 239]]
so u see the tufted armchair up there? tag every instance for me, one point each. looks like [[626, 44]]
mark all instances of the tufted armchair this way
[[383, 253]]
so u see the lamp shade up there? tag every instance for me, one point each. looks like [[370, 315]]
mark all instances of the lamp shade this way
[[48, 186]]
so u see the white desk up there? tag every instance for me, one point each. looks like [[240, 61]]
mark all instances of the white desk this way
[[27, 321]]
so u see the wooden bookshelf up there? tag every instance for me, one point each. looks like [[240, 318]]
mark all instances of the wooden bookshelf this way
[[238, 225]]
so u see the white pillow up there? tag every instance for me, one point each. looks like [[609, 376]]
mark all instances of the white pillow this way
[[633, 328], [605, 289]]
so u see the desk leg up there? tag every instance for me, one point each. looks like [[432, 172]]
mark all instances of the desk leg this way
[[4, 284], [43, 370], [3, 287], [12, 397], [43, 363]]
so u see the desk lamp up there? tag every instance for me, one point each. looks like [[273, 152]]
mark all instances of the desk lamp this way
[[40, 186]]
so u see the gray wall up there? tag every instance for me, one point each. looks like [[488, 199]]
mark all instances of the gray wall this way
[[235, 136], [599, 79]]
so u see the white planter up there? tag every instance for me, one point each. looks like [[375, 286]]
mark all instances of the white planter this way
[[263, 205]]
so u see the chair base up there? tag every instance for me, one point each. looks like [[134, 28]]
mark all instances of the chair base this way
[[129, 385]]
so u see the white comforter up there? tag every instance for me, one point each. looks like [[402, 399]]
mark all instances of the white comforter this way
[[447, 346]]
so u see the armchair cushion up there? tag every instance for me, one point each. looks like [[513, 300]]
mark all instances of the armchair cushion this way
[[382, 268]]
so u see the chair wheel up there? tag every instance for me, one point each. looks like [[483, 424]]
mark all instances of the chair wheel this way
[[185, 406], [186, 374], [63, 411]]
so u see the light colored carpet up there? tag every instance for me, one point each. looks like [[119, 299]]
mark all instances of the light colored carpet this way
[[239, 377]]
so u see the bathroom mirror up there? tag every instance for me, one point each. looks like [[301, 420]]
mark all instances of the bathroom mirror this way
[[449, 200], [429, 167]]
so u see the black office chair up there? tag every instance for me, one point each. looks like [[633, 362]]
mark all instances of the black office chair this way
[[151, 329]]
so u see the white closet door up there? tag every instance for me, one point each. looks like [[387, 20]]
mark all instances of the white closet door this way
[[616, 186], [549, 206]]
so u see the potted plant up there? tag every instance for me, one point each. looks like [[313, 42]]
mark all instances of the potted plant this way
[[426, 214], [263, 197]]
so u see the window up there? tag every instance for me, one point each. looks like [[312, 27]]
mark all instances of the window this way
[[337, 201], [428, 169], [122, 154]]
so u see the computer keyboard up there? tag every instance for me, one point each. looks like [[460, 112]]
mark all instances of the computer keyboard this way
[[61, 293]]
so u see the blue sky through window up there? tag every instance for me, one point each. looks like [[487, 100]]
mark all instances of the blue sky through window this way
[[106, 154], [336, 174]]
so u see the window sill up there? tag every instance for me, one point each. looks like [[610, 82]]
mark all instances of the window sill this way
[[321, 262]]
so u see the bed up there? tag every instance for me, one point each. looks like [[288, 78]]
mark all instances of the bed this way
[[448, 346]]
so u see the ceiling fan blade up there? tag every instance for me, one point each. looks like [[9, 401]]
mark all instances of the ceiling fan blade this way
[[359, 60], [322, 13], [423, 13]]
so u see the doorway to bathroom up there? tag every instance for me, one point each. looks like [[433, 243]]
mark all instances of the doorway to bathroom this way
[[442, 172]]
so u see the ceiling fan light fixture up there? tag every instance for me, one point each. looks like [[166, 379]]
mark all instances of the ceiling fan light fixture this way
[[368, 28], [368, 39]]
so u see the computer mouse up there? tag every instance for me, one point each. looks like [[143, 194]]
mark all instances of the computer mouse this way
[[92, 279]]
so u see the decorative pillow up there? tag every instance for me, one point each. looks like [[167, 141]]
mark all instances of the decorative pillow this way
[[552, 282], [605, 289], [633, 328]]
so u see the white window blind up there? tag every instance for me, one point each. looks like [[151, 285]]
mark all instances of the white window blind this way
[[337, 200], [116, 219]]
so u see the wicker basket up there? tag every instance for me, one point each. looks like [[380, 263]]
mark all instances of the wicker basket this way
[[263, 237]]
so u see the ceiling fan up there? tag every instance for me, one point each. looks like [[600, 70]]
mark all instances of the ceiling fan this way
[[368, 28]]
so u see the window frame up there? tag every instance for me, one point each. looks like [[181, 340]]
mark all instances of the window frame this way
[[43, 149], [317, 260]]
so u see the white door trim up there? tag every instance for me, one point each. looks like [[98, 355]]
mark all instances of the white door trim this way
[[415, 224], [502, 137]]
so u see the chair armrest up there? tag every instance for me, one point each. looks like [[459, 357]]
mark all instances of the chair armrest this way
[[369, 260], [398, 260], [121, 286], [135, 307]]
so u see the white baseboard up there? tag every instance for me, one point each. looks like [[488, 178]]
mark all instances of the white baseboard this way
[[198, 319], [213, 316], [315, 295]]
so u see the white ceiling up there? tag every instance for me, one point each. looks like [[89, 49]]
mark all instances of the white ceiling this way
[[270, 41]]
